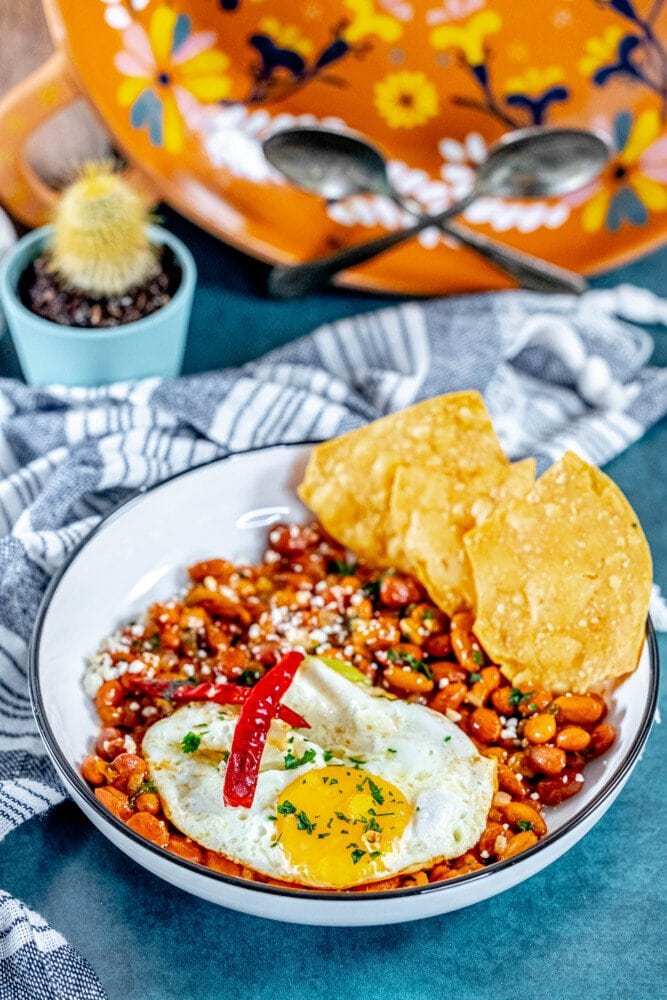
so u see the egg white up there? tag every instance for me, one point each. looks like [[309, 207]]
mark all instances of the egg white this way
[[447, 783]]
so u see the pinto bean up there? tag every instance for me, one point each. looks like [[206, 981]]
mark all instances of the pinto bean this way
[[219, 863], [449, 697], [219, 569], [446, 670], [148, 826], [517, 843], [407, 680], [115, 801], [500, 699], [553, 791], [510, 782], [110, 742], [94, 770], [602, 738], [397, 591], [147, 802], [540, 728], [580, 709], [521, 812], [185, 848], [485, 725], [573, 738], [487, 842], [466, 648], [124, 767], [547, 759], [439, 646], [109, 702]]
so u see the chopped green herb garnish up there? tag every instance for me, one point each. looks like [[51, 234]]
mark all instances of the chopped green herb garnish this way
[[292, 762], [303, 823], [372, 588], [391, 750], [190, 742], [375, 854], [517, 697], [408, 660], [524, 824], [446, 739], [333, 781], [146, 786], [341, 816], [473, 678], [327, 755], [201, 725], [356, 855], [429, 614], [321, 836], [357, 761], [225, 755], [342, 568], [532, 707], [274, 818], [274, 843], [376, 792], [478, 657], [286, 808], [155, 641]]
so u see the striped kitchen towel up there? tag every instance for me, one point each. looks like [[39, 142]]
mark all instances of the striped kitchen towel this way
[[556, 372]]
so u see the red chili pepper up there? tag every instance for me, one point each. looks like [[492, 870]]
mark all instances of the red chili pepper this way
[[220, 694], [252, 729]]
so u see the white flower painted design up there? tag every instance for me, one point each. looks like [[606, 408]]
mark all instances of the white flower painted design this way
[[461, 159], [233, 137], [118, 16]]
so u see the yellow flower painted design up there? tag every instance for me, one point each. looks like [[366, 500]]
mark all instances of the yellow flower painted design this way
[[366, 21], [169, 70], [535, 80], [468, 38], [634, 183], [406, 99], [286, 36], [600, 51]]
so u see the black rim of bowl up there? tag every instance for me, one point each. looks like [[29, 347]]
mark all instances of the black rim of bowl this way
[[74, 780]]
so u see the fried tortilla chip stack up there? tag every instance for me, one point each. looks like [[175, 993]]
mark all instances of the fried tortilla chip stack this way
[[557, 573]]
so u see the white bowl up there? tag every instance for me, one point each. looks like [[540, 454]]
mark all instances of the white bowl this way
[[138, 555]]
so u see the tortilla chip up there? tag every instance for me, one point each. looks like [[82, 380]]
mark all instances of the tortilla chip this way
[[348, 481], [430, 514], [563, 581]]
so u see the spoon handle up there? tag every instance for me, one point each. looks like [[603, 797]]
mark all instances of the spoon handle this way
[[530, 272], [291, 281]]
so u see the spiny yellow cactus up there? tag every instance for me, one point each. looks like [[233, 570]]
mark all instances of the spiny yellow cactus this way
[[100, 245]]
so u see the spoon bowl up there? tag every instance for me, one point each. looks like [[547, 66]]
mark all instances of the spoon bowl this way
[[542, 163], [331, 164]]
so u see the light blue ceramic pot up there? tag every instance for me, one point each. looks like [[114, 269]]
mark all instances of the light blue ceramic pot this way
[[53, 354]]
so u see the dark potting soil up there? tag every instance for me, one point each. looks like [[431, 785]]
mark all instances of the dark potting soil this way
[[43, 294]]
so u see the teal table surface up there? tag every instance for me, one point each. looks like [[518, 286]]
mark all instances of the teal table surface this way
[[591, 926]]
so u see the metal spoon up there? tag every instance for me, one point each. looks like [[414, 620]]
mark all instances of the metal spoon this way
[[338, 165], [525, 164]]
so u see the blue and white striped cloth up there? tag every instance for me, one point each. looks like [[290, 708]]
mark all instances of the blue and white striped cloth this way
[[556, 373]]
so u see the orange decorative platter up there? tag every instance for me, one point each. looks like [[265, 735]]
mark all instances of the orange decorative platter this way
[[190, 88]]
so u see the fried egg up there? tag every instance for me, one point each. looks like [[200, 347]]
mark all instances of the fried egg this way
[[377, 786]]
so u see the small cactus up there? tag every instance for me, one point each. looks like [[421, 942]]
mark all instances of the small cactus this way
[[100, 245]]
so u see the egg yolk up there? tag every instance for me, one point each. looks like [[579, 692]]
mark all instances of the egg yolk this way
[[336, 823]]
